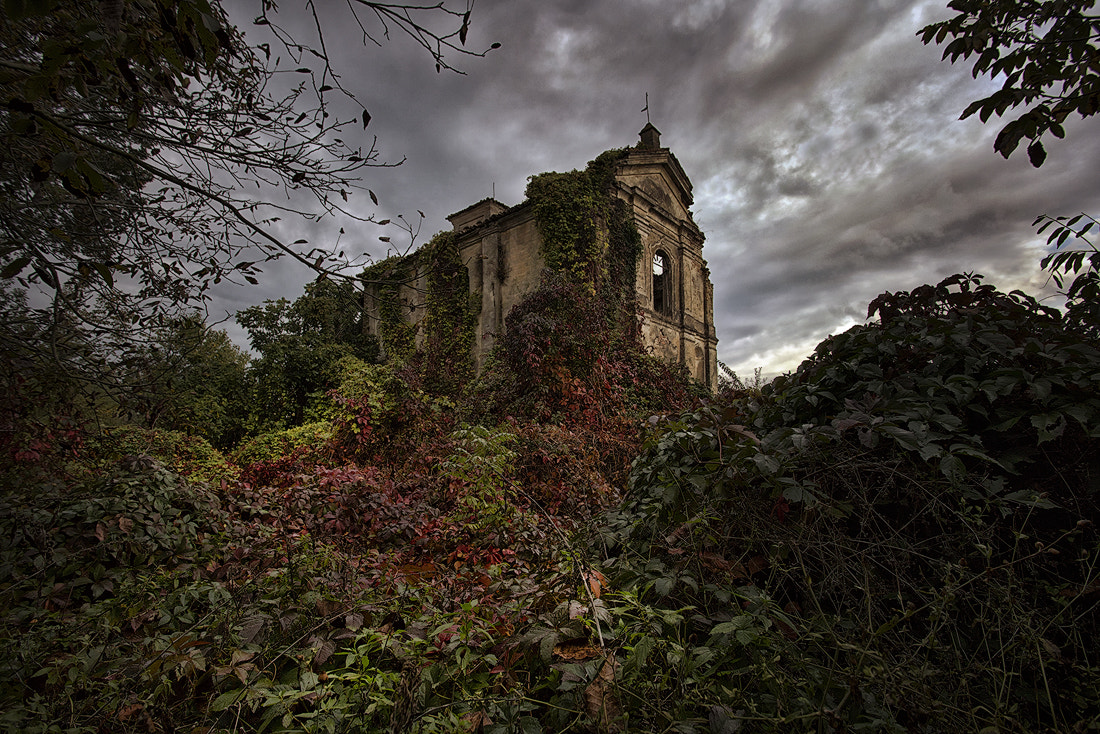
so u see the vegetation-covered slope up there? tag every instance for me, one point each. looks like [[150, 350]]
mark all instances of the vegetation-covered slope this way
[[899, 536]]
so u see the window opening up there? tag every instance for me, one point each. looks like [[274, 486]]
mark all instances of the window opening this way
[[660, 282]]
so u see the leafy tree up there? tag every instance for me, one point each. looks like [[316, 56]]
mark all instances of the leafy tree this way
[[145, 150], [193, 379], [1047, 54], [300, 345], [39, 403]]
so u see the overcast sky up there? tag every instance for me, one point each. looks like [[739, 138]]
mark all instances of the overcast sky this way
[[822, 138]]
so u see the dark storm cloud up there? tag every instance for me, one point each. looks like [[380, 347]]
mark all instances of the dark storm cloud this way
[[823, 140]]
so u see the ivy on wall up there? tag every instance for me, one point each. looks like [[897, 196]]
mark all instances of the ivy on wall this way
[[589, 233], [398, 336], [449, 323], [567, 211]]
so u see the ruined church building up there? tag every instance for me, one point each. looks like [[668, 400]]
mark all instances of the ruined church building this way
[[501, 249]]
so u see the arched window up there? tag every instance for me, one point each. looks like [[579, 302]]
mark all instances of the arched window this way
[[662, 283]]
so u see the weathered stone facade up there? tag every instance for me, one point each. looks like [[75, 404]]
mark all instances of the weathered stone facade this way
[[502, 250]]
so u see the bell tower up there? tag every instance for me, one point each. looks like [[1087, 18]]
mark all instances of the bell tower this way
[[673, 281]]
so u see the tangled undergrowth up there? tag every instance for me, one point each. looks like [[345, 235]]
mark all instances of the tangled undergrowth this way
[[899, 536], [352, 556]]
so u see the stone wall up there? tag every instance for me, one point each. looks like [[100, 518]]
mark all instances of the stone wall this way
[[679, 328], [502, 254]]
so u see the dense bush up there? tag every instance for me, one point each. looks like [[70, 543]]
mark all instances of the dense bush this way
[[190, 456], [277, 444], [898, 536], [562, 359], [98, 590], [382, 413]]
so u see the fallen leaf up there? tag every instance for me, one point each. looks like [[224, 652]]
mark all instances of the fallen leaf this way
[[716, 562], [324, 652], [251, 628], [477, 720], [596, 582], [126, 712], [578, 650], [756, 563], [724, 720], [599, 698]]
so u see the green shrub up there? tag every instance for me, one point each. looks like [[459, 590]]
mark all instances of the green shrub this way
[[901, 535], [191, 456], [313, 437], [99, 593], [382, 412]]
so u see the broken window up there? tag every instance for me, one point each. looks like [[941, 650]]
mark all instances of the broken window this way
[[661, 283]]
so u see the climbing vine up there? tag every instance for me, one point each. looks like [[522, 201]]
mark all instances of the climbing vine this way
[[620, 295], [589, 234], [579, 220], [450, 321], [567, 209], [398, 335]]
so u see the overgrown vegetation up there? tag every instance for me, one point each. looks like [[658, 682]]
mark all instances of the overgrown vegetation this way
[[898, 536]]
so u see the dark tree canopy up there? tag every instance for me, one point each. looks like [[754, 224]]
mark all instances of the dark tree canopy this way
[[1046, 54], [147, 150], [301, 346]]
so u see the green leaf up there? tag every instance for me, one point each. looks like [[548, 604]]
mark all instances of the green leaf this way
[[904, 438], [737, 623], [930, 451], [104, 271], [1049, 425], [546, 645], [1084, 413], [953, 468], [1036, 154], [641, 652], [227, 699], [15, 267], [747, 636]]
